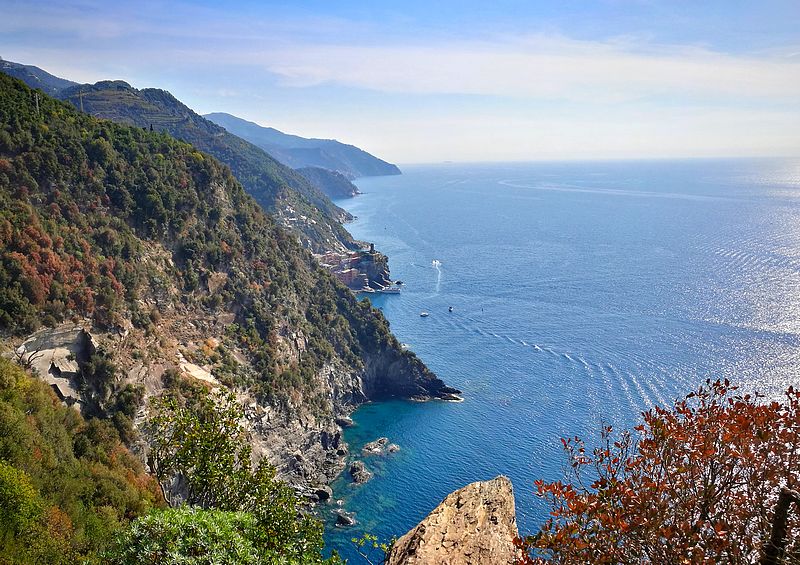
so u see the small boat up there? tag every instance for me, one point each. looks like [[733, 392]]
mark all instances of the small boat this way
[[389, 290], [423, 314]]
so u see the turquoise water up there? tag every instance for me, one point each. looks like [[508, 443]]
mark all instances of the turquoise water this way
[[582, 293]]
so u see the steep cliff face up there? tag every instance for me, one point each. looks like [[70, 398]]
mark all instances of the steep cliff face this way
[[391, 372], [475, 525]]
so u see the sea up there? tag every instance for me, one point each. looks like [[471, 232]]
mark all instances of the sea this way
[[582, 294]]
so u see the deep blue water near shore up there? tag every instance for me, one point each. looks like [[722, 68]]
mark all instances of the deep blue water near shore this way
[[581, 293]]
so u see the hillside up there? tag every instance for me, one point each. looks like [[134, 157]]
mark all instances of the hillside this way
[[291, 198], [66, 483], [332, 183], [298, 152], [35, 77], [158, 253]]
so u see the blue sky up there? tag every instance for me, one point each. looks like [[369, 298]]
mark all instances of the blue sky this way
[[417, 81]]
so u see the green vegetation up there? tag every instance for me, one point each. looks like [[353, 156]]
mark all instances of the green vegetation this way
[[201, 455], [70, 491], [190, 536], [66, 484], [332, 183], [273, 185]]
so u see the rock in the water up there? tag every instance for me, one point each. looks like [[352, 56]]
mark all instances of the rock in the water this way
[[472, 526], [375, 447], [345, 519], [393, 448], [344, 421], [324, 493], [359, 472]]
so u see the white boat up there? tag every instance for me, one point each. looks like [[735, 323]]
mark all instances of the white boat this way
[[423, 314], [389, 290]]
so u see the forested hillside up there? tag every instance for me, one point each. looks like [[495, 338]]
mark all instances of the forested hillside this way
[[162, 253], [66, 484], [290, 197]]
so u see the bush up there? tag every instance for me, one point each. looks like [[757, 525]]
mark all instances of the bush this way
[[188, 536]]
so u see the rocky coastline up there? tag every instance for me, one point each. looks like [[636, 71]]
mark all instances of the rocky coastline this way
[[307, 448]]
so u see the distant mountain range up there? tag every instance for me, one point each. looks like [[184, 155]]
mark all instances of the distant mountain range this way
[[298, 152]]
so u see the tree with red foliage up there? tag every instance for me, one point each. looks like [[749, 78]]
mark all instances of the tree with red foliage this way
[[697, 483]]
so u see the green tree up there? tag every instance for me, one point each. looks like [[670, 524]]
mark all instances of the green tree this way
[[202, 444], [20, 505], [189, 536]]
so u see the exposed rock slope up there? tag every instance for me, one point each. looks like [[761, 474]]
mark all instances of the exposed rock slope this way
[[475, 525]]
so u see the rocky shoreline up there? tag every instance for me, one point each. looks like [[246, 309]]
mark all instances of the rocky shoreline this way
[[307, 449]]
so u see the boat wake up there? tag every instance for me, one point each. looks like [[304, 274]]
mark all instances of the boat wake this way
[[437, 265]]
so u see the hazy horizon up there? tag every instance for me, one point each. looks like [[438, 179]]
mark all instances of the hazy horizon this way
[[455, 82]]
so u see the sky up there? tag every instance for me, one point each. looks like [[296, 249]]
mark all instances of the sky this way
[[422, 81]]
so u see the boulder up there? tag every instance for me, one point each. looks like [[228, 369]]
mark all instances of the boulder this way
[[345, 519], [359, 472], [344, 421], [376, 447], [472, 526]]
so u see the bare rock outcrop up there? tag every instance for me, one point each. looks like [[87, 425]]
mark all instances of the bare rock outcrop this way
[[473, 525]]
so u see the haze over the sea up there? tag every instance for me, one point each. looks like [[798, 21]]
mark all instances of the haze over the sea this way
[[419, 82]]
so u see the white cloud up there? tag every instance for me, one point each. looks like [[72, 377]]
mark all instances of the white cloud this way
[[430, 97], [537, 66]]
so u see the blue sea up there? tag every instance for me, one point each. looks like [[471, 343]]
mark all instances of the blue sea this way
[[582, 293]]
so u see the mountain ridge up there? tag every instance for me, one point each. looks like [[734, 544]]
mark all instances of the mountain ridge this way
[[290, 197], [35, 77], [299, 152]]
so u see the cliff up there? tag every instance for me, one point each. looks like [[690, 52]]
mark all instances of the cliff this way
[[473, 525]]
